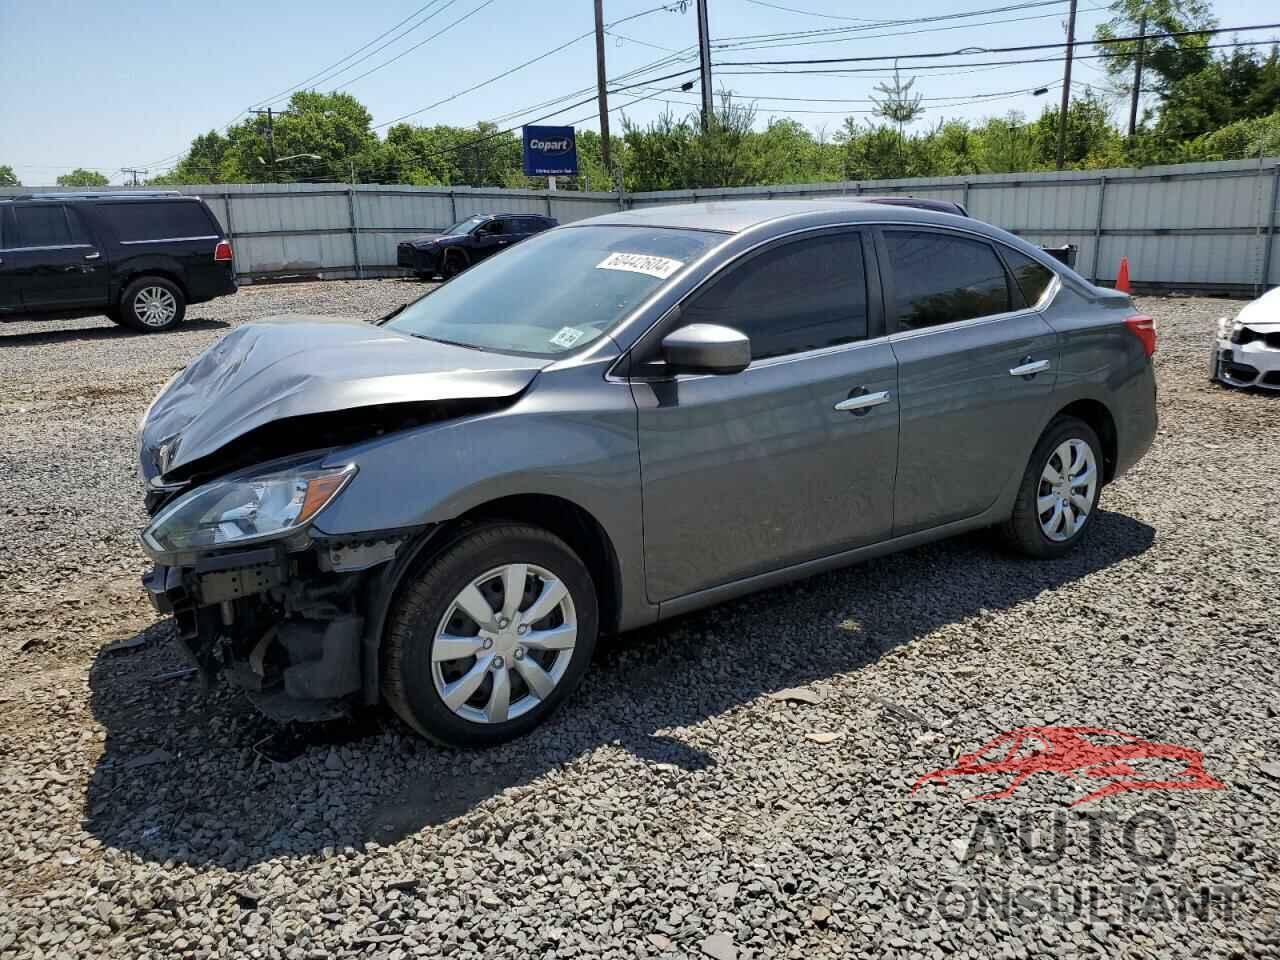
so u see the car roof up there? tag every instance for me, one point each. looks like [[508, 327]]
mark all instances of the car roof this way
[[735, 216]]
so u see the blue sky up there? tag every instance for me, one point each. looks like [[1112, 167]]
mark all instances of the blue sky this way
[[110, 85]]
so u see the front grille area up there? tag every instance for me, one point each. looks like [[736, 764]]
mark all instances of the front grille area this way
[[1241, 371]]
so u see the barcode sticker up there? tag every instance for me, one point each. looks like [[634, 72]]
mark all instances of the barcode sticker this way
[[567, 336], [660, 267]]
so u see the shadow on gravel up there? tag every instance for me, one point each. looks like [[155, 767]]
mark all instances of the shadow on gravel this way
[[199, 777], [39, 337]]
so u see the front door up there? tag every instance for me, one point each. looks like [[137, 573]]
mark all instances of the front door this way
[[963, 336], [750, 472]]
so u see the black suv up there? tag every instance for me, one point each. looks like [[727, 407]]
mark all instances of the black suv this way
[[140, 258], [468, 241]]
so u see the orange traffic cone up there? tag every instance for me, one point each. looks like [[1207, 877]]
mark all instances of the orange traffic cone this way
[[1122, 278]]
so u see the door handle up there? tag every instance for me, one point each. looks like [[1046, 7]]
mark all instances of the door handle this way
[[863, 402], [1029, 368], [94, 255]]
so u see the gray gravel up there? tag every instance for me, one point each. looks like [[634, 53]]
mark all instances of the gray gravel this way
[[674, 807]]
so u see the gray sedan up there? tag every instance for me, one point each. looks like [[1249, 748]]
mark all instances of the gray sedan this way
[[621, 420]]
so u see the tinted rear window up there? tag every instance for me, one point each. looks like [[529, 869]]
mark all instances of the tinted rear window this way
[[162, 220], [41, 225], [942, 278]]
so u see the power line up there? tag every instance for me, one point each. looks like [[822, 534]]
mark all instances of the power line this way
[[875, 71], [906, 21], [809, 13], [508, 72], [1022, 48], [320, 73]]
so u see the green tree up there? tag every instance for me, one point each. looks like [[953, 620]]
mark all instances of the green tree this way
[[205, 162], [80, 177], [1165, 60], [7, 177], [1090, 133], [898, 104]]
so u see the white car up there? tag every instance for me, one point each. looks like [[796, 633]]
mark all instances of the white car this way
[[1247, 351]]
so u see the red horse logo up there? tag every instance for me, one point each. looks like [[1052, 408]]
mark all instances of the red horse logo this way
[[1076, 752]]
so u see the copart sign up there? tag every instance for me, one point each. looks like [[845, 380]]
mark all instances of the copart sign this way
[[550, 152]]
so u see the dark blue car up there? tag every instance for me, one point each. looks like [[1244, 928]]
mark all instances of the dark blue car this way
[[468, 241]]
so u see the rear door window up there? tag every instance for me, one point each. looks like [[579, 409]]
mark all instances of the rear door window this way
[[797, 296], [160, 220], [42, 225], [942, 278]]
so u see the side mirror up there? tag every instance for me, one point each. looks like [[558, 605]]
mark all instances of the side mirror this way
[[706, 348]]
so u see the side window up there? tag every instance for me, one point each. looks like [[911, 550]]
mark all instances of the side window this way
[[801, 295], [41, 225], [941, 278], [1033, 278], [75, 222], [160, 220], [494, 227]]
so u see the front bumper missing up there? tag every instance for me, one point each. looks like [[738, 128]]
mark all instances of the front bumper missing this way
[[287, 628], [1249, 365]]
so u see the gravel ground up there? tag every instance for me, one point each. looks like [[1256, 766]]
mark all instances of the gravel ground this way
[[734, 784]]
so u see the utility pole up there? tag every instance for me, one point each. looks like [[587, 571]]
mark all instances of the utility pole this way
[[130, 170], [271, 136], [602, 92], [1066, 84], [704, 59], [1137, 76]]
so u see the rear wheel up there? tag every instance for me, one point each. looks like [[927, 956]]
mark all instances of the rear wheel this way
[[152, 304], [1058, 496], [488, 641]]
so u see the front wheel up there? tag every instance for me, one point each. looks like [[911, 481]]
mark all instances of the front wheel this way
[[1058, 496], [453, 263], [490, 638], [152, 304]]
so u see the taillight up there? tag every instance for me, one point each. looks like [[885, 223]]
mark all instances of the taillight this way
[[222, 252], [1144, 328]]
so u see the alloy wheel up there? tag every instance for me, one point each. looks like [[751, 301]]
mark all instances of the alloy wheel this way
[[1068, 490], [155, 306], [504, 643]]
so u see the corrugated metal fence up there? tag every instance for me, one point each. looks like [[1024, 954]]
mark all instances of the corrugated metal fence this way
[[1202, 226]]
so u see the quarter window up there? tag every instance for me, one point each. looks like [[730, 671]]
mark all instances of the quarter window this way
[[42, 225], [802, 295], [161, 220], [1033, 278], [942, 278]]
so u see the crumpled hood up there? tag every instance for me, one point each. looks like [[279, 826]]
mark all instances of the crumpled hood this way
[[426, 240], [291, 366]]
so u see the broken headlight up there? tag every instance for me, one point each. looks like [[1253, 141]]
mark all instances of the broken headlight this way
[[232, 512]]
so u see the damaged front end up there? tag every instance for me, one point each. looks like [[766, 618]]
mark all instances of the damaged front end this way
[[1246, 352], [240, 454], [292, 628]]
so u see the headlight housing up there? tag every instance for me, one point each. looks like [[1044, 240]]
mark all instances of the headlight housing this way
[[250, 509]]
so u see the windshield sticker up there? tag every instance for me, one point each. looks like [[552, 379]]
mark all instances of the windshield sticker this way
[[660, 267], [568, 336]]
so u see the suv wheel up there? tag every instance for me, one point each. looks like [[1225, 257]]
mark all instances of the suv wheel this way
[[152, 304], [490, 638], [454, 262], [1059, 494]]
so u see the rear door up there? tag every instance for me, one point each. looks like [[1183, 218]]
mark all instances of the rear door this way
[[755, 471], [976, 371], [52, 259], [182, 231]]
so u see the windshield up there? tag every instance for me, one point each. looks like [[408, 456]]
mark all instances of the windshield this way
[[463, 226], [556, 292]]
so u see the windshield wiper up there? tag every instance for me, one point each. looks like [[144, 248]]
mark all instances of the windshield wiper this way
[[451, 343], [390, 316]]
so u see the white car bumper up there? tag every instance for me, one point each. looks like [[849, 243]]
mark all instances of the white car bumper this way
[[1252, 365]]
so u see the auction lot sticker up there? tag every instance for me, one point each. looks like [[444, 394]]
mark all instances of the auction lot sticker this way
[[660, 267]]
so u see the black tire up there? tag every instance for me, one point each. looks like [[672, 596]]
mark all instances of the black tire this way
[[1023, 531], [408, 683], [453, 263], [133, 313]]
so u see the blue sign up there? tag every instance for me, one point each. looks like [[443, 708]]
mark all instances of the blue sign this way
[[550, 152]]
